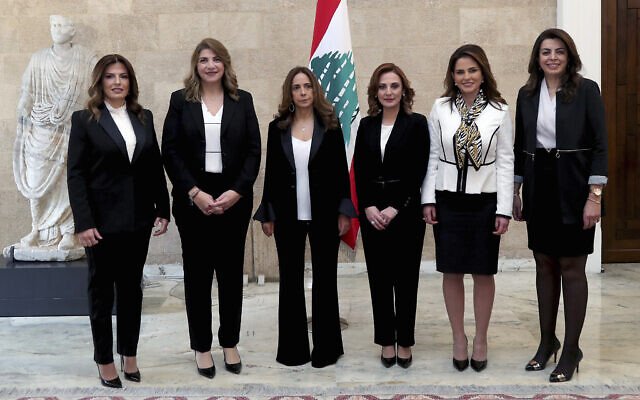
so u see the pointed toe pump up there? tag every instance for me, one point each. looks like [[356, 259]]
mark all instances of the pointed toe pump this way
[[114, 383], [130, 376], [565, 373], [208, 372], [543, 355]]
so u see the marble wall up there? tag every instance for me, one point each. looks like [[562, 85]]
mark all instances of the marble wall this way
[[266, 38]]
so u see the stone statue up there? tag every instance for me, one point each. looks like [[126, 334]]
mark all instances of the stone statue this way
[[54, 85]]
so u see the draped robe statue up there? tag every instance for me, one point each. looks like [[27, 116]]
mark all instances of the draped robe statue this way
[[54, 85]]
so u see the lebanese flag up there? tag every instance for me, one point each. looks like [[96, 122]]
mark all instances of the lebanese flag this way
[[332, 62]]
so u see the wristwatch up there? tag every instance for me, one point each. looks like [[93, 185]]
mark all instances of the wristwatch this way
[[596, 190]]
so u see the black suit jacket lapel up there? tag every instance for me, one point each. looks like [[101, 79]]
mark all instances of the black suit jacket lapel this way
[[316, 138], [195, 108], [230, 107], [376, 126], [287, 146], [398, 130], [109, 125], [139, 131], [533, 107]]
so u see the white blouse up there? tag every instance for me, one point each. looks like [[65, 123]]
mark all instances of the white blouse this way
[[546, 125], [123, 122], [213, 150], [385, 133], [301, 152]]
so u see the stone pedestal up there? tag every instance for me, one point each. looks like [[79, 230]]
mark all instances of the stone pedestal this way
[[29, 289]]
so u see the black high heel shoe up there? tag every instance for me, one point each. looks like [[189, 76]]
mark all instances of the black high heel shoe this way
[[233, 368], [543, 355], [209, 372], [559, 375], [477, 365], [387, 362], [114, 383], [461, 365], [130, 376]]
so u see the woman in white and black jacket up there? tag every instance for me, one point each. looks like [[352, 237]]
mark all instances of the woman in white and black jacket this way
[[467, 194]]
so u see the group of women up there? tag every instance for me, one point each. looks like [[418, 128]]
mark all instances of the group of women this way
[[458, 170]]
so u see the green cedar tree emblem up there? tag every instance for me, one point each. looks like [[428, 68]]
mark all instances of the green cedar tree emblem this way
[[337, 76]]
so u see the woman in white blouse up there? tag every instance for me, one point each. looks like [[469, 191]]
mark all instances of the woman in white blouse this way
[[561, 164], [117, 192], [467, 192], [306, 193]]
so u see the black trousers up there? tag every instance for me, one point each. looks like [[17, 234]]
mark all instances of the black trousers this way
[[116, 262], [393, 264], [293, 337], [213, 244]]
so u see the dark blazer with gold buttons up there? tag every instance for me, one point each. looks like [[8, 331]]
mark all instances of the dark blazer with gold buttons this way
[[106, 190], [328, 176]]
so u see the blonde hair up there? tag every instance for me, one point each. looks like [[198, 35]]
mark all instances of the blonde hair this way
[[192, 85]]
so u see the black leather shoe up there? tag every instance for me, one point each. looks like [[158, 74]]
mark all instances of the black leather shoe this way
[[405, 362], [387, 362], [114, 383], [233, 368], [209, 372], [478, 365], [461, 365], [130, 376]]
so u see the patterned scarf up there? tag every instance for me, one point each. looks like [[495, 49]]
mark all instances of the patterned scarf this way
[[467, 139]]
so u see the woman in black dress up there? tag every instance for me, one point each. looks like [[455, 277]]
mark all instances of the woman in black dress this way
[[561, 164]]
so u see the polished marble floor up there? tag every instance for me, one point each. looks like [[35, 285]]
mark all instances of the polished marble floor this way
[[53, 355]]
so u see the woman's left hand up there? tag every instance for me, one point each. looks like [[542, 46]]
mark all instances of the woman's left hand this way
[[388, 214], [502, 225], [344, 224], [161, 225], [225, 201], [590, 214]]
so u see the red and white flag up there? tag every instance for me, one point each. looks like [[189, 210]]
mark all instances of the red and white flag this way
[[332, 62]]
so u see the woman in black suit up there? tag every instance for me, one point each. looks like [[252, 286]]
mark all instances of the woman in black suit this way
[[306, 192], [211, 150], [561, 163], [390, 161], [117, 192]]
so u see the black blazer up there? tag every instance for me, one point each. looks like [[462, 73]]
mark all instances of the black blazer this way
[[183, 144], [395, 182], [106, 191], [581, 138], [328, 176]]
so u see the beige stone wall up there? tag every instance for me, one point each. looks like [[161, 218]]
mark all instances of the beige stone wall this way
[[266, 38]]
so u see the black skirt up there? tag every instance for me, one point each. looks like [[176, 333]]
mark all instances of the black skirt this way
[[464, 240], [545, 230]]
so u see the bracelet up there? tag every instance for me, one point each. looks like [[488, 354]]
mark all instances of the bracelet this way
[[194, 194], [595, 201]]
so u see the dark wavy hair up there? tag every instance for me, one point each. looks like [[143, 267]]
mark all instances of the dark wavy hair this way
[[192, 87], [96, 91], [571, 78], [489, 85], [323, 109], [372, 91]]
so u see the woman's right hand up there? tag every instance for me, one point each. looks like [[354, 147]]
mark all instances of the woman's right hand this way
[[429, 214], [517, 207], [375, 218], [89, 237], [204, 202], [267, 228]]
